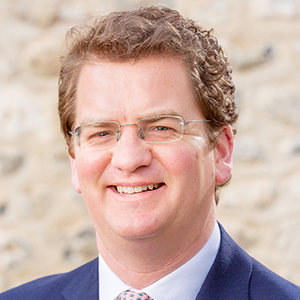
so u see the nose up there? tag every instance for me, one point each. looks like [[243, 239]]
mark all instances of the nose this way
[[139, 131], [131, 152]]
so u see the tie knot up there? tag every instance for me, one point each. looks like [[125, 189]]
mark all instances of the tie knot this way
[[128, 295]]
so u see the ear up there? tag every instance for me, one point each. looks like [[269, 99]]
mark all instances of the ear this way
[[223, 154], [75, 181]]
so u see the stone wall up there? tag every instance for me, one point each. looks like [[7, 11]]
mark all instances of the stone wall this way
[[44, 226]]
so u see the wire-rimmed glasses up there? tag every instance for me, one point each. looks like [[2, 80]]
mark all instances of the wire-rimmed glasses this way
[[157, 129]]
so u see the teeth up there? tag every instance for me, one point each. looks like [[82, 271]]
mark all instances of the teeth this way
[[120, 189], [130, 190], [136, 189]]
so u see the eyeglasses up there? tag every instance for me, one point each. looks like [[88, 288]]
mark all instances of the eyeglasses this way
[[158, 129]]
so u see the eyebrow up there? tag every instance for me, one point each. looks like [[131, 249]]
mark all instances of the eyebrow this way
[[89, 121], [156, 116], [151, 117]]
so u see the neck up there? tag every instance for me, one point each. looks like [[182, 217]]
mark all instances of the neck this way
[[144, 261]]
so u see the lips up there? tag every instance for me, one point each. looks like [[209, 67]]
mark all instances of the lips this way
[[137, 189]]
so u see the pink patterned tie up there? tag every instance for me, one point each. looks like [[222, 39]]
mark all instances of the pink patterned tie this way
[[128, 295]]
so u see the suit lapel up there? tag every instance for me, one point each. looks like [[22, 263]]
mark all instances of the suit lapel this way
[[229, 276], [84, 284]]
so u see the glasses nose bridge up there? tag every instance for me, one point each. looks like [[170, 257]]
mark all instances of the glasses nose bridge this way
[[139, 131]]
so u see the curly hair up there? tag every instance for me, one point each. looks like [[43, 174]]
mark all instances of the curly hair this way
[[145, 32]]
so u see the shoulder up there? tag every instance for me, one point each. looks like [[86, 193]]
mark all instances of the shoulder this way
[[50, 287], [240, 274], [265, 284]]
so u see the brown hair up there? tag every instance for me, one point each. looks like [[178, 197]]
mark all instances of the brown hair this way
[[150, 31]]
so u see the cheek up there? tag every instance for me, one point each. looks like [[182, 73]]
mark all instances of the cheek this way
[[90, 167], [200, 146], [181, 161], [204, 155], [192, 164]]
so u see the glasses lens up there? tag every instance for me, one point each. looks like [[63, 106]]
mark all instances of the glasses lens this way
[[162, 129], [98, 136]]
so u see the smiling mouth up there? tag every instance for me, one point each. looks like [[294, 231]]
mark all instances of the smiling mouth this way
[[137, 189]]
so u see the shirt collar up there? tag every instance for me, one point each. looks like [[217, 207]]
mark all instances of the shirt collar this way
[[183, 283]]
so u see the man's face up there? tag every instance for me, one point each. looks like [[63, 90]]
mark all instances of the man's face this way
[[184, 171]]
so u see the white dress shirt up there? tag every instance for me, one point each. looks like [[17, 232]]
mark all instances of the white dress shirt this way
[[183, 283]]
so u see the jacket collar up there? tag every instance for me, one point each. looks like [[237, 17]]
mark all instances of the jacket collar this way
[[84, 283], [230, 272]]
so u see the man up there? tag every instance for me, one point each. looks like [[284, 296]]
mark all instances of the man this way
[[146, 103]]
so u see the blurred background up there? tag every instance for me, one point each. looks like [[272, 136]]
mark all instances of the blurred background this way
[[44, 225]]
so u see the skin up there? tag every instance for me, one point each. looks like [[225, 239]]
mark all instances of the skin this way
[[145, 236]]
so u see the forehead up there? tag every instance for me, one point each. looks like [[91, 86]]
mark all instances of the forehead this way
[[134, 89]]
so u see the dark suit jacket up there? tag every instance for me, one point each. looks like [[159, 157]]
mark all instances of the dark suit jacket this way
[[234, 276]]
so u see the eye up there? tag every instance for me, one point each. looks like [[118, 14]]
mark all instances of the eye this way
[[101, 134], [97, 133], [162, 128]]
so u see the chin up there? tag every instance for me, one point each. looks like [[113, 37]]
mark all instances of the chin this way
[[137, 232]]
